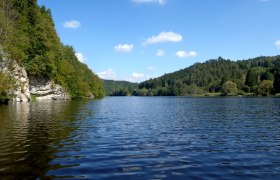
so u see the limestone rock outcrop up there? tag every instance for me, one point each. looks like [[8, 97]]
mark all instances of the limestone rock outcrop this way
[[21, 93], [46, 89], [39, 87]]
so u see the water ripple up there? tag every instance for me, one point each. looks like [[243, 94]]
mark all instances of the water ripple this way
[[141, 138]]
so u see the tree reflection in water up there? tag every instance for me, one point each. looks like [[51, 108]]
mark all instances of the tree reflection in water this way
[[31, 133]]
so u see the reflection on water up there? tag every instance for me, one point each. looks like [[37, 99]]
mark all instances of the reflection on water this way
[[30, 134], [142, 138]]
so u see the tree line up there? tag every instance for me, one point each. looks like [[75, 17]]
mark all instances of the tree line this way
[[119, 88], [254, 77], [28, 36], [257, 76]]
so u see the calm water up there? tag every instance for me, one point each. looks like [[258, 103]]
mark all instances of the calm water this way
[[141, 138]]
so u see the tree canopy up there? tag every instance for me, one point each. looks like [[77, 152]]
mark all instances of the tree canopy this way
[[28, 36], [260, 76], [119, 88]]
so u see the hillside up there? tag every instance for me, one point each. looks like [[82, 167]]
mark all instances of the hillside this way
[[258, 76], [119, 88], [28, 38]]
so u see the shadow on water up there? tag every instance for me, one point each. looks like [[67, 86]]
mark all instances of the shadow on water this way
[[32, 134]]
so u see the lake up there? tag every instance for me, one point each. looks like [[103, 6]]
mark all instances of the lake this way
[[141, 138]]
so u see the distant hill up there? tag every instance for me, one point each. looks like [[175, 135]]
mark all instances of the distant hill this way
[[119, 88], [257, 76]]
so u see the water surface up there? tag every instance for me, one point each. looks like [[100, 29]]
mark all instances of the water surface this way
[[141, 138]]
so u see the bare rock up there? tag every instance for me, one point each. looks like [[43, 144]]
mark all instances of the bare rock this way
[[41, 87], [45, 89], [21, 93]]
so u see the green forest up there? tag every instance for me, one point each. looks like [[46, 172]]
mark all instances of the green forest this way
[[256, 77], [217, 77], [28, 36], [119, 88]]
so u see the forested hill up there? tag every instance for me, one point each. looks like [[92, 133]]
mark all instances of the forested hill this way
[[258, 76], [28, 35], [119, 88]]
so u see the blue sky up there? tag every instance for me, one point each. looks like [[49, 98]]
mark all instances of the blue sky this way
[[136, 40]]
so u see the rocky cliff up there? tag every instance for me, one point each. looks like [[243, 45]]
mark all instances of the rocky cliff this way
[[21, 93], [45, 88], [39, 87]]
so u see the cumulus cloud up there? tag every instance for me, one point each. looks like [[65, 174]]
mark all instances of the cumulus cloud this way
[[161, 2], [160, 53], [184, 54], [72, 24], [151, 68], [107, 74], [80, 57], [123, 48], [277, 43], [164, 37], [136, 77]]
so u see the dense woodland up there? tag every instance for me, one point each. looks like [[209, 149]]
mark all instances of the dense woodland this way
[[258, 76], [28, 36], [119, 88], [254, 77]]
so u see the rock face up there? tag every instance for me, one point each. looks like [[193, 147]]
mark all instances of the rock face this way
[[41, 88], [22, 93], [46, 89]]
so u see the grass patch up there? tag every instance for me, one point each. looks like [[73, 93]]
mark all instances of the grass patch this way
[[33, 98]]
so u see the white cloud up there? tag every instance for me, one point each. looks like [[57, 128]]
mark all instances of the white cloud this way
[[184, 54], [151, 68], [80, 57], [264, 0], [108, 74], [137, 75], [123, 48], [72, 24], [277, 43], [164, 37], [160, 53], [161, 2]]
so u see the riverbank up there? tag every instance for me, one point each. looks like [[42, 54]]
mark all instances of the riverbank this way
[[235, 95]]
